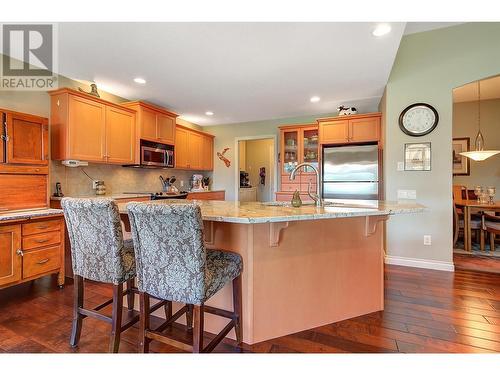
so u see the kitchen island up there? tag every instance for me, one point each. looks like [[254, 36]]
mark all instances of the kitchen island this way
[[302, 267]]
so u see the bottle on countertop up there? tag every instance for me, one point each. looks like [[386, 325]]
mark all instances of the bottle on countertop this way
[[296, 201]]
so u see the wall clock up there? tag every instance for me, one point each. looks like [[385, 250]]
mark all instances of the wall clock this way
[[418, 119]]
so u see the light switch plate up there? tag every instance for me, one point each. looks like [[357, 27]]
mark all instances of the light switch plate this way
[[407, 194], [427, 240]]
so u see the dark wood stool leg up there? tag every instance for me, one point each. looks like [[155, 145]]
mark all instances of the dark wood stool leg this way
[[237, 308], [189, 317], [116, 323], [198, 321], [130, 294], [492, 241], [143, 322], [76, 329], [168, 310]]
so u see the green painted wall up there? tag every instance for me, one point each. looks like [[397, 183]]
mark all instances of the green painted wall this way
[[427, 68]]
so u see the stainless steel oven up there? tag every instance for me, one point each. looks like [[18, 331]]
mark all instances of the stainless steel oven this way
[[157, 154]]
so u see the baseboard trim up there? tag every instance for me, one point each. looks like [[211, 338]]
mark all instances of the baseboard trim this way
[[420, 263]]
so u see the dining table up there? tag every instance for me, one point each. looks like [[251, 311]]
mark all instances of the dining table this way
[[469, 205]]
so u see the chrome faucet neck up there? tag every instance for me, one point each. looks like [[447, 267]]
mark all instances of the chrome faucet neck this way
[[317, 196]]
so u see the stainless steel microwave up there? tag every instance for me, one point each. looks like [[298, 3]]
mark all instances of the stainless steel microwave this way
[[157, 154]]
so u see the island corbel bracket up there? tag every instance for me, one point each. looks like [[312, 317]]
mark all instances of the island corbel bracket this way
[[209, 232], [371, 224], [274, 232]]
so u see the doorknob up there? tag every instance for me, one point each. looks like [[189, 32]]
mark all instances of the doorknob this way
[[19, 252]]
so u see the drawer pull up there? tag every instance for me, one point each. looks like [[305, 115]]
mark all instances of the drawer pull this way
[[19, 252], [4, 209], [43, 261], [42, 227], [42, 241]]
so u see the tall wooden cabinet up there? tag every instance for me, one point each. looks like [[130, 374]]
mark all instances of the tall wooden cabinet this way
[[91, 129], [298, 144], [30, 244], [193, 149]]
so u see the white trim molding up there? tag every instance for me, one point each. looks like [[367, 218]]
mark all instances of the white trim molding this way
[[420, 263]]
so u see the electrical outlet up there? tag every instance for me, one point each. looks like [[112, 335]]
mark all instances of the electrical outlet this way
[[401, 166], [412, 194], [94, 184], [427, 239]]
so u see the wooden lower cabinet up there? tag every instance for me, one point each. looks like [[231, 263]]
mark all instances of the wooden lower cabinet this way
[[30, 249], [208, 195]]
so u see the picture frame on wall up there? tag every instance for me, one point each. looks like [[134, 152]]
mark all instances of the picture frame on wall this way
[[418, 156], [461, 164]]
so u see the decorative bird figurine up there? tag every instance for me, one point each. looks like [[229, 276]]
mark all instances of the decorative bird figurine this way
[[221, 156], [93, 90]]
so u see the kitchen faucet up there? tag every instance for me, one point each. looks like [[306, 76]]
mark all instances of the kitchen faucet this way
[[316, 197]]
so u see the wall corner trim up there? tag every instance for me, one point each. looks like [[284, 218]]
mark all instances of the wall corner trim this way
[[420, 263]]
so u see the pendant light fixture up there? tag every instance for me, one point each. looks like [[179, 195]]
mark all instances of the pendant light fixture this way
[[480, 153]]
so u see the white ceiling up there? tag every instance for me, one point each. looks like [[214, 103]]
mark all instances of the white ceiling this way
[[490, 89], [240, 71], [418, 27]]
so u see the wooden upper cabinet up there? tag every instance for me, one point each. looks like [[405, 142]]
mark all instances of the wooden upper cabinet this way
[[154, 123], [120, 136], [364, 129], [147, 124], [195, 141], [334, 132], [193, 149], [10, 261], [181, 148], [166, 128], [207, 157], [26, 139], [348, 129], [87, 128]]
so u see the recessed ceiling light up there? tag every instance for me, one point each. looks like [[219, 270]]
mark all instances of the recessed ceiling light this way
[[381, 29], [315, 99], [209, 113], [140, 81]]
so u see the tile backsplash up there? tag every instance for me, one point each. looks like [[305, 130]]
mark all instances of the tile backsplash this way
[[116, 178]]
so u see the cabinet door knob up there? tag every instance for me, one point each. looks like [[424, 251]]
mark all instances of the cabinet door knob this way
[[19, 252]]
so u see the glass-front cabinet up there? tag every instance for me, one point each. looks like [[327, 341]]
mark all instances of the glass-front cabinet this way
[[310, 147], [299, 143], [290, 150]]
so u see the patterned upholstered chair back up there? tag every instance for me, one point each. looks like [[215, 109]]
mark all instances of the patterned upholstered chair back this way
[[98, 251], [169, 248]]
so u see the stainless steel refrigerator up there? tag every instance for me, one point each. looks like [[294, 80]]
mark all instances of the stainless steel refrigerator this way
[[350, 172]]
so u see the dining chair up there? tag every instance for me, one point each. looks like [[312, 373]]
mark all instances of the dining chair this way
[[173, 264], [491, 224], [475, 224]]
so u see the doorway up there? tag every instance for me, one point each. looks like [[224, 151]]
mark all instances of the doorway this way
[[256, 169], [476, 183]]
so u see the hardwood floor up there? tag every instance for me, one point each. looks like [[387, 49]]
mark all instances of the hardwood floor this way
[[426, 312], [475, 262]]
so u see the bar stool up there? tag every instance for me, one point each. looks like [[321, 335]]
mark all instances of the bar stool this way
[[99, 253], [173, 264]]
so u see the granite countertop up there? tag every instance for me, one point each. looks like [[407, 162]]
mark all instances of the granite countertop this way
[[29, 214], [256, 212]]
